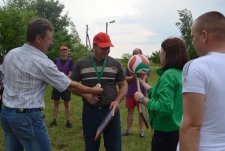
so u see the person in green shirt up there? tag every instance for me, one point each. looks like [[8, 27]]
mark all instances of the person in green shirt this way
[[164, 100]]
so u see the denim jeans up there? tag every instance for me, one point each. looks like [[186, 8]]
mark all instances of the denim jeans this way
[[24, 131], [91, 119]]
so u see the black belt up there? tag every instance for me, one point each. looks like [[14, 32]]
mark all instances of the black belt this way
[[99, 106], [22, 110], [102, 107]]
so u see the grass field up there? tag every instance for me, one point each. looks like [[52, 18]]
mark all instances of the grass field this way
[[64, 139]]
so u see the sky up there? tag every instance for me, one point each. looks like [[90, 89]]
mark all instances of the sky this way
[[140, 24]]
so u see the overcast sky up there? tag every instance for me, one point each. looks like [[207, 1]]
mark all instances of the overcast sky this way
[[138, 23]]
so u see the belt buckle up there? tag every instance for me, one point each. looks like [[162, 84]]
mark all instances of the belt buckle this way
[[20, 110], [100, 108]]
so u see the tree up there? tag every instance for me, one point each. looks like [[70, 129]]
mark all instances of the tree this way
[[19, 4], [155, 57], [72, 40], [184, 25], [78, 50], [125, 59], [13, 27], [51, 10]]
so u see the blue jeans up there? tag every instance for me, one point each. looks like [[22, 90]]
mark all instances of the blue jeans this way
[[91, 119], [24, 130]]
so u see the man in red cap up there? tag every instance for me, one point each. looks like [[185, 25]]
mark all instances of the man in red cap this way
[[65, 65], [103, 71]]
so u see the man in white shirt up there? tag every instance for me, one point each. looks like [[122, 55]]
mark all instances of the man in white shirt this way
[[27, 71], [203, 125], [1, 84]]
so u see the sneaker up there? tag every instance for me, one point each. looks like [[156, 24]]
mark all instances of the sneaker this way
[[126, 133], [141, 134], [53, 123], [69, 125]]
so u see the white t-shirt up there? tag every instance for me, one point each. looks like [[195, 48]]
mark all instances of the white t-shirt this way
[[1, 77], [206, 75]]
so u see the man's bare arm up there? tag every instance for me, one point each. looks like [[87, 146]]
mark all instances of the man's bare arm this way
[[69, 74], [193, 109], [120, 95], [130, 78], [77, 88]]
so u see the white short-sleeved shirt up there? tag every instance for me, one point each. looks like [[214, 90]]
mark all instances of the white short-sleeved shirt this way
[[27, 71], [206, 75], [1, 77]]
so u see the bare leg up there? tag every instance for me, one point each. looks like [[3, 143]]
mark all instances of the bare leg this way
[[67, 110], [130, 118], [55, 113], [67, 114], [141, 123], [55, 109]]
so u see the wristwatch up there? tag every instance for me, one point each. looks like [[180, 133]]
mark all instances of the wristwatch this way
[[141, 100]]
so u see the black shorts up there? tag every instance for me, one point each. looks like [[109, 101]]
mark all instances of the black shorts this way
[[65, 95]]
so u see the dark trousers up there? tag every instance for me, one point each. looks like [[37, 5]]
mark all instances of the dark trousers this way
[[91, 119], [165, 141], [1, 93]]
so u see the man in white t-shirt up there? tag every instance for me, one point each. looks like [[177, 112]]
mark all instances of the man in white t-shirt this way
[[203, 125], [1, 83]]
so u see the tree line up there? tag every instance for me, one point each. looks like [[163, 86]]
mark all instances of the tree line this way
[[15, 14]]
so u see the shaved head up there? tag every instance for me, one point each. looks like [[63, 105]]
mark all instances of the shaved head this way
[[212, 22], [137, 51]]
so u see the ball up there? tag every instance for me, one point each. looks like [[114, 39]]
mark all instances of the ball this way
[[138, 64]]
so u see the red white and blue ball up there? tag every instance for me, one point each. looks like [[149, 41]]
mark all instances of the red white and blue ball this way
[[138, 64]]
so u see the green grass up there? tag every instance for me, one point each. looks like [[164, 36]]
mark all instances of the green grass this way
[[64, 139]]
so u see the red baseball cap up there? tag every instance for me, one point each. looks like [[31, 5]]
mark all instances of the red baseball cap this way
[[102, 40], [63, 48]]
